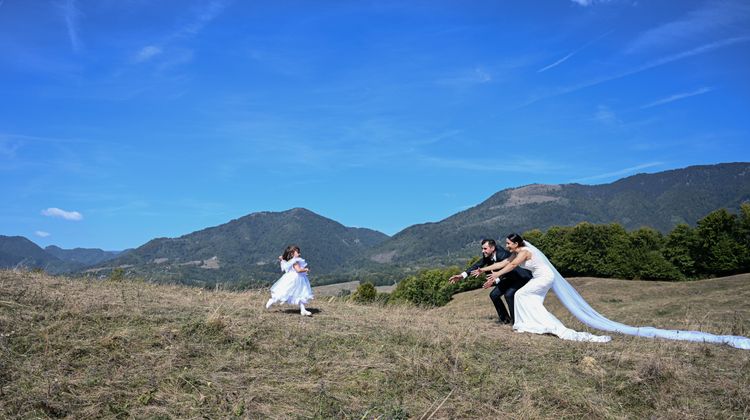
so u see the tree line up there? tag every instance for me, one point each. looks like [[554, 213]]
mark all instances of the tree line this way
[[719, 245]]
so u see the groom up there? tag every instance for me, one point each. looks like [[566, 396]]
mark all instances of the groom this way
[[506, 286]]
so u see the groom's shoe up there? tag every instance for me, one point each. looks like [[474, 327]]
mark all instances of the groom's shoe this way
[[504, 321]]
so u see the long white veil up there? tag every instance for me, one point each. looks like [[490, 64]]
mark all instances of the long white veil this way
[[586, 314]]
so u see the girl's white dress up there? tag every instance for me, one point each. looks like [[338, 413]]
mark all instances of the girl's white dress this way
[[293, 287]]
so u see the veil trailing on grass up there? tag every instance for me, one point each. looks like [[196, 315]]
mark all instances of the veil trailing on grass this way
[[586, 314]]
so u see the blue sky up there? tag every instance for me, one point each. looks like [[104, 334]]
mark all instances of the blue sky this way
[[126, 120]]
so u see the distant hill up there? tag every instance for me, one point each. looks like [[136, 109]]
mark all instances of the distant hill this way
[[19, 252], [245, 250], [85, 256], [660, 200]]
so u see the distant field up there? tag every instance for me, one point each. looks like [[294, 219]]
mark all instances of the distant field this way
[[336, 288], [91, 349]]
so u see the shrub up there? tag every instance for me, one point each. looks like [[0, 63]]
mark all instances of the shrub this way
[[427, 288], [383, 298], [365, 293], [117, 275]]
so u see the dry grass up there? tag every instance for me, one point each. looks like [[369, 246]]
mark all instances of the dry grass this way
[[349, 286], [80, 349]]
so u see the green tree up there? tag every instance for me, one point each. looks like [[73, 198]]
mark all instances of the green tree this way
[[653, 266], [573, 257], [744, 231], [646, 238], [596, 250], [719, 235], [744, 234], [621, 258], [553, 243], [535, 236], [648, 261], [680, 248]]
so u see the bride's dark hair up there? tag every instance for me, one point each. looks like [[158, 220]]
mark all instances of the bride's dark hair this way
[[289, 252], [514, 237]]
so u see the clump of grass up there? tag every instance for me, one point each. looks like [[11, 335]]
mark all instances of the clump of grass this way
[[213, 329]]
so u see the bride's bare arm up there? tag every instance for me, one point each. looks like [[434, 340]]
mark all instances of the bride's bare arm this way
[[509, 264], [496, 266]]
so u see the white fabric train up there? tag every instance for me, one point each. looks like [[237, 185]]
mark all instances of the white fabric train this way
[[573, 301]]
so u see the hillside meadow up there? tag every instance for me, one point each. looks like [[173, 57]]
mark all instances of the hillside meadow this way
[[73, 348]]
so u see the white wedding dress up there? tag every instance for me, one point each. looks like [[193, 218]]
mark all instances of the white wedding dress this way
[[293, 287], [531, 315]]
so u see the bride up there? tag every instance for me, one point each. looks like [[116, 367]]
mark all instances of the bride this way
[[533, 317]]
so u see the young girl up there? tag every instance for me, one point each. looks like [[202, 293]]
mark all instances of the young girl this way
[[293, 287]]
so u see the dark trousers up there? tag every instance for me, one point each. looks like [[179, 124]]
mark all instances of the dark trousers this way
[[507, 287]]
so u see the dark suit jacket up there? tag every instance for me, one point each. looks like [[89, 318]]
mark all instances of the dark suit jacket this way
[[499, 255]]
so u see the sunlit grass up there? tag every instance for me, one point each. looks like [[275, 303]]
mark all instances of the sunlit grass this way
[[79, 348]]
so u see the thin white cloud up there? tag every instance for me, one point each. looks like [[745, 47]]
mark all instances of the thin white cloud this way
[[677, 97], [8, 147], [586, 3], [605, 115], [465, 165], [176, 58], [473, 77], [703, 49], [40, 233], [437, 138], [202, 18], [67, 215], [558, 62], [685, 54], [564, 59], [146, 53], [619, 173], [199, 20], [519, 165], [715, 17], [71, 14]]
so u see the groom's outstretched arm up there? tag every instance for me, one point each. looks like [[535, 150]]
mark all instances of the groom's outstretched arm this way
[[473, 269]]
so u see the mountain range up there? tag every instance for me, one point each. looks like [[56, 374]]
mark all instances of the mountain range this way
[[84, 256], [17, 251], [244, 251], [660, 201]]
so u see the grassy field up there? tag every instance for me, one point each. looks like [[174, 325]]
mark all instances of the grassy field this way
[[349, 286], [82, 349]]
